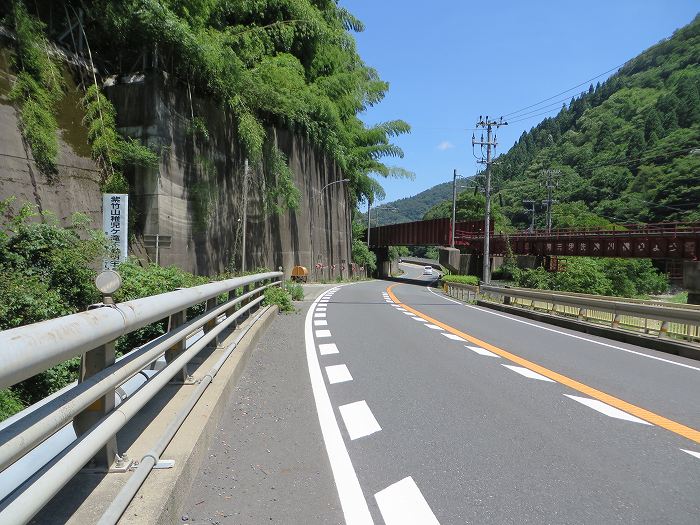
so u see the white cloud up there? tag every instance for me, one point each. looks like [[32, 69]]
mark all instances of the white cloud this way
[[445, 145]]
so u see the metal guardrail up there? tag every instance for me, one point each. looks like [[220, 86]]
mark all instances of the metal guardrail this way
[[89, 405], [463, 292], [649, 317]]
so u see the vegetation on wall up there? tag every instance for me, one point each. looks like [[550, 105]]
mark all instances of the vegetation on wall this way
[[111, 151], [37, 89], [288, 63]]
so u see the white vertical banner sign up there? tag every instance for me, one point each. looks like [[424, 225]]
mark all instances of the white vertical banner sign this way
[[115, 224]]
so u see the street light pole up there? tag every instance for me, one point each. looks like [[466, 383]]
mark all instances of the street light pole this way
[[313, 210]]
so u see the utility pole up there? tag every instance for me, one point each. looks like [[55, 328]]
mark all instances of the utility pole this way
[[245, 212], [532, 212], [550, 185], [454, 208], [491, 142]]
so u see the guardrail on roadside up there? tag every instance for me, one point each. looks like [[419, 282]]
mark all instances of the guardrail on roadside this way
[[90, 404], [463, 292], [648, 317]]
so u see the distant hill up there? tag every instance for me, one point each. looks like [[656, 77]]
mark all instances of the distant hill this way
[[627, 150], [411, 208]]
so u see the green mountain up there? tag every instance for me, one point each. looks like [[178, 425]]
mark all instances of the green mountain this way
[[410, 208], [628, 150]]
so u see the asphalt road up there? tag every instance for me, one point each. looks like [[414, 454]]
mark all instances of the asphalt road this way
[[414, 408]]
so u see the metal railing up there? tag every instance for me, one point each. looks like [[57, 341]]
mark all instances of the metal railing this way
[[649, 317], [463, 292], [90, 404]]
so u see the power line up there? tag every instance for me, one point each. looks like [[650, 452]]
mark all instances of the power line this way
[[566, 90]]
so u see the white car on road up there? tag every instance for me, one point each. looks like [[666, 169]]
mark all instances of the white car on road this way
[[427, 270]]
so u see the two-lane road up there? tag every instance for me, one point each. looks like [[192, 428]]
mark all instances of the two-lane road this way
[[433, 411]]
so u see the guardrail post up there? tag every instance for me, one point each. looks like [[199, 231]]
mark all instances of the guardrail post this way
[[172, 353], [91, 363], [231, 311], [582, 314], [663, 331], [616, 320], [210, 305]]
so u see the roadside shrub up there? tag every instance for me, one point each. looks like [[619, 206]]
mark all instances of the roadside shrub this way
[[9, 404], [461, 279], [600, 276], [295, 290], [141, 281], [45, 272], [279, 297]]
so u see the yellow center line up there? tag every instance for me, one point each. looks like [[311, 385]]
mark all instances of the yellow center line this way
[[651, 417]]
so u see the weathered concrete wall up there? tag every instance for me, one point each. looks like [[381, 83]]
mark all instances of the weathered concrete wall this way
[[196, 194], [76, 185]]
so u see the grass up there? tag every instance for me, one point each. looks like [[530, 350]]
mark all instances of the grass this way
[[461, 279]]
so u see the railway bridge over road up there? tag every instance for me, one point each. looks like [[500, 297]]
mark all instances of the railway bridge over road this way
[[676, 244]]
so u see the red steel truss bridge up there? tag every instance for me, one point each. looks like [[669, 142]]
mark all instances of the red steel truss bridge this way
[[672, 240]]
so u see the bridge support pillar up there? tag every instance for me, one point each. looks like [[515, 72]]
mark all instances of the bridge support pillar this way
[[691, 280], [383, 262], [449, 258]]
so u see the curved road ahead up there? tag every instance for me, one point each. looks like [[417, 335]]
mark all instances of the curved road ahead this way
[[415, 408]]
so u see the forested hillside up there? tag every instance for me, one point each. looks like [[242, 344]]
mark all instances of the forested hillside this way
[[410, 208], [626, 150]]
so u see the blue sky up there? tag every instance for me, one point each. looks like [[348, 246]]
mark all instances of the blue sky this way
[[449, 61]]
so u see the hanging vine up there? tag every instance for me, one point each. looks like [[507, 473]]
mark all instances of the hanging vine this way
[[37, 90]]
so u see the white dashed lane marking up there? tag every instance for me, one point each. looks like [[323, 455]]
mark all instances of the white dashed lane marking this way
[[526, 372], [403, 504], [692, 453], [338, 374], [359, 420], [433, 327], [606, 409], [482, 351], [320, 315], [323, 333], [452, 336], [328, 348], [320, 322]]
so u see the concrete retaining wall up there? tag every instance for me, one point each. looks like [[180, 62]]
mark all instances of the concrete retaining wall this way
[[195, 195]]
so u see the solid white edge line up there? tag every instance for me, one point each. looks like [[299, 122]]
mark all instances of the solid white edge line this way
[[352, 500], [403, 504], [606, 409], [692, 453], [581, 338]]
